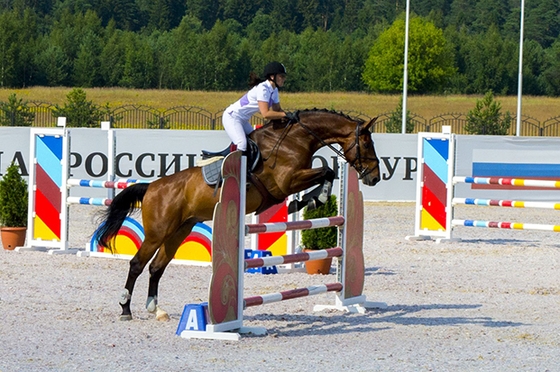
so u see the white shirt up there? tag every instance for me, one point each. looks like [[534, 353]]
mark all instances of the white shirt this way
[[248, 105]]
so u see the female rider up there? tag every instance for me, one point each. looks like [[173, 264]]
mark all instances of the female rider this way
[[262, 97]]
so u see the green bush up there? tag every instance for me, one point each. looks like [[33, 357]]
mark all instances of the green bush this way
[[486, 117], [325, 237], [394, 124], [79, 112], [15, 113], [13, 198]]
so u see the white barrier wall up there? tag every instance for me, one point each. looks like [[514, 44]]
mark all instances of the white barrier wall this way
[[148, 154]]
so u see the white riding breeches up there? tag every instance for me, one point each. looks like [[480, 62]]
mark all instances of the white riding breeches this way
[[237, 129]]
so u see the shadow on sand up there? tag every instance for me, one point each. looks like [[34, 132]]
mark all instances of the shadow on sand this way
[[331, 322]]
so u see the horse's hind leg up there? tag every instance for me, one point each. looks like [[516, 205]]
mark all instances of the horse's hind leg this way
[[137, 264], [158, 266]]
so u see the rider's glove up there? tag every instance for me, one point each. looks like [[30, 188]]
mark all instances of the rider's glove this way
[[292, 117]]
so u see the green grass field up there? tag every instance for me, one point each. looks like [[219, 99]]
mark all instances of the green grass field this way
[[541, 108]]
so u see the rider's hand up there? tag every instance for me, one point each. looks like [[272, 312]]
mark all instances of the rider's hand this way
[[292, 117]]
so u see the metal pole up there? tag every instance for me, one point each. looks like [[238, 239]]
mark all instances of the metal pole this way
[[405, 73], [520, 79]]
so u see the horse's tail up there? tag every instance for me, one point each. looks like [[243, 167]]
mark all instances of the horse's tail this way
[[122, 206]]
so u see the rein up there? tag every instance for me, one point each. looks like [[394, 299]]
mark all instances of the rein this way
[[276, 146], [361, 171]]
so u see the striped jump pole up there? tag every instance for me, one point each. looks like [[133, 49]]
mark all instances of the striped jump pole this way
[[226, 301], [315, 223], [291, 294], [506, 225], [508, 182], [506, 203], [292, 258], [89, 201], [72, 182]]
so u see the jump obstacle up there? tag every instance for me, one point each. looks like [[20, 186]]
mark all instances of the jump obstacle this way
[[435, 196], [49, 202], [222, 316]]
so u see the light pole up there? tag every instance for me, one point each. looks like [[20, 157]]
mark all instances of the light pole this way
[[405, 73], [520, 79]]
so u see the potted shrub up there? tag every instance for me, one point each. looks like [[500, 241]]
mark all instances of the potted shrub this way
[[326, 237], [13, 208]]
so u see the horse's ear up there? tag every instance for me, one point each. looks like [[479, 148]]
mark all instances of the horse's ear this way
[[369, 124]]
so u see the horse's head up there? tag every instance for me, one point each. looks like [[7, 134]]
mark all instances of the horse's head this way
[[359, 151], [353, 135], [317, 128]]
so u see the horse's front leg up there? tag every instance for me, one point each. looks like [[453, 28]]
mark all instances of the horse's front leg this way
[[305, 178], [323, 177]]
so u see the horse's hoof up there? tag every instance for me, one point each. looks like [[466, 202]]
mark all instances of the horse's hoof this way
[[293, 206], [312, 204], [126, 317], [151, 304], [161, 315]]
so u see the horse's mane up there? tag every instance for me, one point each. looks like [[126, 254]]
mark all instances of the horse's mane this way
[[318, 111], [340, 113]]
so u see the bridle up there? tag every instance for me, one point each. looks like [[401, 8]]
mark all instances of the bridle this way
[[357, 163]]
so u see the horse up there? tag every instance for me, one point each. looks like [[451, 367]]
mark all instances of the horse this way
[[173, 204]]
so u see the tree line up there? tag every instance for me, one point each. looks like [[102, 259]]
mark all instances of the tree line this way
[[456, 46]]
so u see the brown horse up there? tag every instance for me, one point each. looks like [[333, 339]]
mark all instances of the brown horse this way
[[172, 205]]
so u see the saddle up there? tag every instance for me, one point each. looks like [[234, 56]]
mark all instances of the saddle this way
[[211, 163]]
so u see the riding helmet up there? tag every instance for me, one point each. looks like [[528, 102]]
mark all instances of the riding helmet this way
[[274, 68]]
